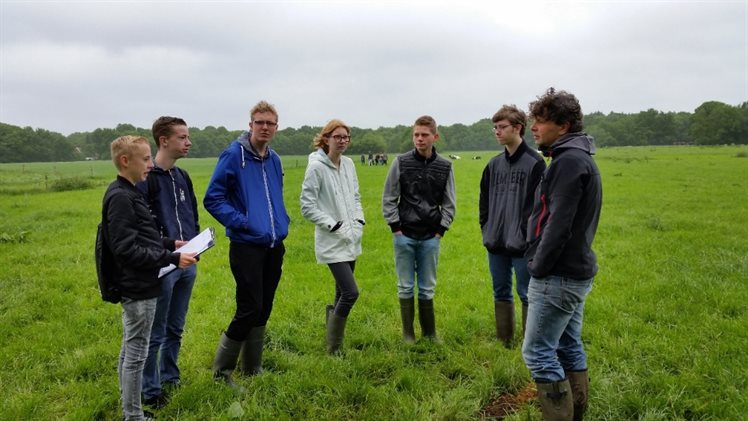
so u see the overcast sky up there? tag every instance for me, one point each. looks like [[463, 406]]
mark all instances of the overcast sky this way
[[78, 66]]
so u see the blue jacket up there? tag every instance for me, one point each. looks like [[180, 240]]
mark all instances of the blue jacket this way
[[171, 199], [245, 195]]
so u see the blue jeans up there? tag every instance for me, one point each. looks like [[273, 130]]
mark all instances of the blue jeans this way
[[166, 335], [416, 259], [553, 337], [500, 266], [137, 319]]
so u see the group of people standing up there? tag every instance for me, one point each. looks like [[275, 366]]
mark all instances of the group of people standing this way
[[537, 221], [378, 159]]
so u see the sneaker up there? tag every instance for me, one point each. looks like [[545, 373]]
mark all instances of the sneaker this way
[[156, 402]]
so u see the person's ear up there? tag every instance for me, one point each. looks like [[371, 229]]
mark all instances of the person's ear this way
[[161, 139], [565, 128], [124, 161]]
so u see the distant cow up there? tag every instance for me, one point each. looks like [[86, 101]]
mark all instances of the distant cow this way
[[476, 157], [455, 157]]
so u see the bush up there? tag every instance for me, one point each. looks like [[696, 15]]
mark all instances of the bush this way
[[67, 184]]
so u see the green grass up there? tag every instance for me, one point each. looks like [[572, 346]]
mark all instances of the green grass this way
[[665, 324]]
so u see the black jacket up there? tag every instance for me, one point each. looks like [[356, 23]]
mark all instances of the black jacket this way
[[566, 212], [507, 190], [138, 249], [419, 195]]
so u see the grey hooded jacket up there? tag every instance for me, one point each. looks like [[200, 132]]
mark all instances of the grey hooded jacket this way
[[330, 195]]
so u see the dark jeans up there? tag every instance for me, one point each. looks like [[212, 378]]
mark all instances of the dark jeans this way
[[346, 291], [166, 335], [257, 272]]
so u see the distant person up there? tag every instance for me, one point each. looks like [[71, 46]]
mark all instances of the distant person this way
[[371, 159], [507, 189], [419, 205], [330, 199], [139, 252], [561, 262], [171, 199], [363, 159], [245, 195]]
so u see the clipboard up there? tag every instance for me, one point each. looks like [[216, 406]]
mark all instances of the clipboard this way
[[198, 244]]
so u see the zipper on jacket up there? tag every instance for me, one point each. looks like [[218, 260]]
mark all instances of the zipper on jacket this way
[[176, 204], [543, 211], [270, 205]]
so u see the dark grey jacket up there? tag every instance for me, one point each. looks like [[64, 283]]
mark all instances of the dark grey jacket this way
[[566, 212], [507, 190]]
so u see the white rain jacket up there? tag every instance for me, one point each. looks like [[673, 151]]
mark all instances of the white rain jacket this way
[[329, 195]]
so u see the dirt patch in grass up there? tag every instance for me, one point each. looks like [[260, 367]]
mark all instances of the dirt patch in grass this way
[[508, 403]]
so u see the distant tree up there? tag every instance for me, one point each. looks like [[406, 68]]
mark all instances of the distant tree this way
[[715, 123], [712, 123], [370, 142]]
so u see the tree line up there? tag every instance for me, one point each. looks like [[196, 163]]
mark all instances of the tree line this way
[[712, 123]]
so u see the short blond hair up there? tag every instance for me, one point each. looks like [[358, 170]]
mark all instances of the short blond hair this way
[[125, 145], [263, 107]]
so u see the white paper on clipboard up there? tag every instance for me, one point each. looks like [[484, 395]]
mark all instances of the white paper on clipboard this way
[[198, 244]]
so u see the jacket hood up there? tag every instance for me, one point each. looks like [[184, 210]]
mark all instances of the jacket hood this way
[[577, 140], [248, 151], [320, 156]]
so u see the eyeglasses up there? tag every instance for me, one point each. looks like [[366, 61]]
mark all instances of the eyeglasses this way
[[341, 138], [501, 127], [265, 123]]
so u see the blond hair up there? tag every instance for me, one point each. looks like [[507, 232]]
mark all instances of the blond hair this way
[[263, 107], [124, 146], [331, 126]]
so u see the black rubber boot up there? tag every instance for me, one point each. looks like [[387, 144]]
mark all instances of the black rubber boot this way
[[426, 317], [328, 310], [225, 361], [580, 385], [335, 333], [408, 314], [556, 401], [251, 354], [504, 314]]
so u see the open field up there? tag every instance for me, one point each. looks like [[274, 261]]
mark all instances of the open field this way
[[666, 325]]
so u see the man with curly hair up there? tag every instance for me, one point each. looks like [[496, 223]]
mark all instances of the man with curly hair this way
[[561, 262]]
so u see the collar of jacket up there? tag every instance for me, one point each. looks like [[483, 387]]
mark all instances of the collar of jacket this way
[[422, 158], [577, 140], [521, 149], [321, 156]]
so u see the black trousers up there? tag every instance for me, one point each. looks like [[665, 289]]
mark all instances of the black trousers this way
[[346, 290], [257, 271]]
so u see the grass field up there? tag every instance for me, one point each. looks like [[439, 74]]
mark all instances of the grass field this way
[[666, 325]]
